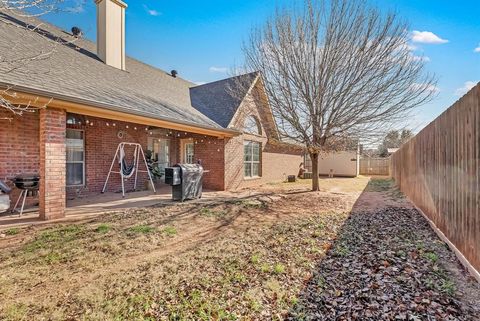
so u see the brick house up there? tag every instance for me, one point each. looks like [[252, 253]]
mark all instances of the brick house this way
[[92, 97]]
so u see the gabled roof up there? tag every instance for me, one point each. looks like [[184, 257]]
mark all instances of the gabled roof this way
[[74, 71], [220, 100]]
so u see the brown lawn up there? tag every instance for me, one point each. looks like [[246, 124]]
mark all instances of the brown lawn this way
[[242, 258]]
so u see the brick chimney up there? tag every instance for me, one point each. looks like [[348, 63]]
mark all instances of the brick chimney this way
[[111, 32]]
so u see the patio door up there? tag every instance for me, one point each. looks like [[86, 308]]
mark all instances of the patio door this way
[[188, 151], [161, 153]]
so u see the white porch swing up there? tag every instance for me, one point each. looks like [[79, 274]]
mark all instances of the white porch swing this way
[[126, 171]]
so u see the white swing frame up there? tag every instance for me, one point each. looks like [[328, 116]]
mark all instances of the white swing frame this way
[[137, 153]]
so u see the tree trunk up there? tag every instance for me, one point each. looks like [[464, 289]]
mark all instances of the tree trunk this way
[[314, 158]]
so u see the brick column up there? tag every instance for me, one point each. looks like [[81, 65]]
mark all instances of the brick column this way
[[52, 163]]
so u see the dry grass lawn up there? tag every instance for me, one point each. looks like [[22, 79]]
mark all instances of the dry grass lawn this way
[[243, 258]]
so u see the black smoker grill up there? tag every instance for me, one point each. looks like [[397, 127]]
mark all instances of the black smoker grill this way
[[186, 181], [28, 183]]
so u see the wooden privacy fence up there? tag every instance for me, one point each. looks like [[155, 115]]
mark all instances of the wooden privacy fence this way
[[439, 170], [374, 166]]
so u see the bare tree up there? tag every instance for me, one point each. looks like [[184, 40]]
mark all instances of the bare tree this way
[[394, 139], [335, 71], [28, 9]]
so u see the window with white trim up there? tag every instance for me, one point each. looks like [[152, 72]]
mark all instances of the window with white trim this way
[[307, 162], [75, 148], [251, 159], [189, 153]]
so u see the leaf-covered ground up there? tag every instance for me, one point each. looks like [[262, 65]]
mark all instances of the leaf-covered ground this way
[[284, 253], [387, 264]]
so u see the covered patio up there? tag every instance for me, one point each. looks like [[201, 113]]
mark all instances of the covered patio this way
[[76, 149]]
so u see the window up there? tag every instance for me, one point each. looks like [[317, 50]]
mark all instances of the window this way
[[189, 153], [73, 119], [251, 159], [252, 125], [307, 163], [75, 157]]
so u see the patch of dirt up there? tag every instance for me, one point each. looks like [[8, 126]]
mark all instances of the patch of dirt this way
[[380, 193]]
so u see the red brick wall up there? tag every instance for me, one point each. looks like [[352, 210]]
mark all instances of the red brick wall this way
[[52, 163], [211, 151], [277, 161], [222, 159], [101, 142], [19, 149]]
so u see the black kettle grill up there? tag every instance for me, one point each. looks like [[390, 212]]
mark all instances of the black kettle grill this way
[[28, 183]]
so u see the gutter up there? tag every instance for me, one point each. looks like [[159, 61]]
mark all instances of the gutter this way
[[81, 101]]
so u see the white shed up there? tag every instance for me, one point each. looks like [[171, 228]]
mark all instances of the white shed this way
[[343, 163]]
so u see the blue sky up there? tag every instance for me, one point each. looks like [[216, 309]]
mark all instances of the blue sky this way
[[202, 39]]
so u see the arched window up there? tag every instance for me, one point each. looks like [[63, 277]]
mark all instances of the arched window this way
[[252, 125]]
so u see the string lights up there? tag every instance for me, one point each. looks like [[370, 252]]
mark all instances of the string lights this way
[[198, 139]]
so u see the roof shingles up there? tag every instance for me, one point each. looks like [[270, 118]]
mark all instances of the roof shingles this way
[[228, 93], [72, 69]]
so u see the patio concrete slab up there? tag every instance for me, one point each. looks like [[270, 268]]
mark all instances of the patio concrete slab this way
[[88, 207]]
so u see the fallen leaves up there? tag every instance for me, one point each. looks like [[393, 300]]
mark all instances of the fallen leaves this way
[[367, 276]]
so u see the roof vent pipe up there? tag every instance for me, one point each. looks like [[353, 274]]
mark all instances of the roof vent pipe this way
[[77, 32]]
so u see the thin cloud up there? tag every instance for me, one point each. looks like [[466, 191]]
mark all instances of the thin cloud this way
[[77, 8], [407, 46], [151, 12], [411, 47], [477, 49], [421, 58], [466, 88], [218, 69], [427, 87], [427, 37]]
